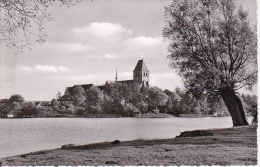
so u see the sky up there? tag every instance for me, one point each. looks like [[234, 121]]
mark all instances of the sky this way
[[86, 43]]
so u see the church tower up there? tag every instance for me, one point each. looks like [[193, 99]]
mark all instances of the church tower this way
[[141, 73], [116, 76]]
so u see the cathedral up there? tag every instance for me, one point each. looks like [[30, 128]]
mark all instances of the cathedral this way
[[140, 75]]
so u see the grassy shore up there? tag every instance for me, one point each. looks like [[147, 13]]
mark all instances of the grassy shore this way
[[232, 146]]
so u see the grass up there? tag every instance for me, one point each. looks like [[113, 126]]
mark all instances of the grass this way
[[233, 146]]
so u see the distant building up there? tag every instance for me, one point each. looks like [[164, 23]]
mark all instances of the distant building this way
[[140, 75], [177, 97], [10, 115], [43, 104]]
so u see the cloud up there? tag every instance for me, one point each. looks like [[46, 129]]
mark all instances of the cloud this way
[[89, 78], [144, 46], [143, 41], [110, 56], [26, 68], [169, 80], [67, 47], [101, 31], [45, 69], [128, 74], [50, 69], [104, 40]]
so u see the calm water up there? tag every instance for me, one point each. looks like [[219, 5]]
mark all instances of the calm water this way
[[18, 136]]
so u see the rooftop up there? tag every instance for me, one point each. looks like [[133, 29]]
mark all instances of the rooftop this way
[[140, 66]]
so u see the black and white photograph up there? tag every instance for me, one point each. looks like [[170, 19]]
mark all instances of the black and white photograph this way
[[128, 82]]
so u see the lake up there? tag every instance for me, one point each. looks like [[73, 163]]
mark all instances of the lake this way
[[18, 136]]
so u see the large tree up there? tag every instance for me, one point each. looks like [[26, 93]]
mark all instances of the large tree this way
[[214, 48]]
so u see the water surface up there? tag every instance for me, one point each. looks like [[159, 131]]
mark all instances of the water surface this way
[[18, 136]]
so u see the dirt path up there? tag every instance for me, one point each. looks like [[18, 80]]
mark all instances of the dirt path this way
[[233, 146]]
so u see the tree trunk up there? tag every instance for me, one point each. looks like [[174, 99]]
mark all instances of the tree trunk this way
[[241, 109], [233, 104]]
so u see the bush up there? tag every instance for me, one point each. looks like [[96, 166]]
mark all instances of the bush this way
[[80, 111]]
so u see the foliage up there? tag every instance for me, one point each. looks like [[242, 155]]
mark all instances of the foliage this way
[[79, 95], [54, 103], [15, 109], [4, 108], [23, 19], [130, 109], [214, 49], [142, 106], [28, 110], [79, 111], [213, 46], [58, 95], [94, 99], [16, 98], [122, 100], [45, 112], [251, 103], [117, 107], [112, 90], [156, 97], [172, 105]]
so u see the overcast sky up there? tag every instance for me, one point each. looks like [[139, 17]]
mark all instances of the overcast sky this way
[[88, 42]]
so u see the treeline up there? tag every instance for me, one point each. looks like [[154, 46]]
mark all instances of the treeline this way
[[121, 100], [16, 106], [118, 99]]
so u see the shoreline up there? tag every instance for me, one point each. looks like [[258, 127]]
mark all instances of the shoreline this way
[[146, 115], [199, 147]]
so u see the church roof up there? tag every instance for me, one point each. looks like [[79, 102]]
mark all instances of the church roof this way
[[177, 96], [69, 90], [126, 81], [140, 66]]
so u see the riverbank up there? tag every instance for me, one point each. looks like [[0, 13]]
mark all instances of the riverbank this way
[[232, 146], [139, 115], [153, 115]]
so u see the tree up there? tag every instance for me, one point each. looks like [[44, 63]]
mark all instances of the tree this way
[[142, 106], [130, 109], [15, 109], [20, 18], [4, 108], [16, 98], [94, 100], [112, 90], [172, 105], [79, 95], [156, 97], [54, 103], [58, 95], [28, 110], [117, 107], [250, 103], [214, 49]]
